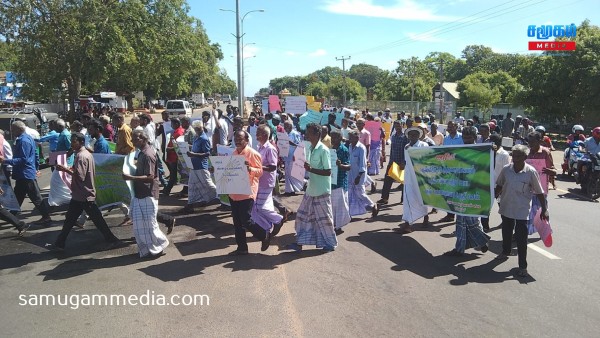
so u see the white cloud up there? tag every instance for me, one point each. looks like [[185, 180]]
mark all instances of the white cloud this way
[[318, 52], [407, 10], [425, 37], [290, 53]]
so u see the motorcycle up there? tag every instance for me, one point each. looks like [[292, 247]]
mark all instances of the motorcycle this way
[[589, 177], [573, 154]]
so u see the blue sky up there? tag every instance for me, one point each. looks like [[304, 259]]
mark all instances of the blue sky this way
[[297, 37]]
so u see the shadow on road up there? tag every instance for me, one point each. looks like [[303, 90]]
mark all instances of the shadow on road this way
[[176, 270], [409, 255]]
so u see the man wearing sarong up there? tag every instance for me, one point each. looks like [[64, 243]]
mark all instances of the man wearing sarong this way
[[339, 189], [365, 139], [374, 150], [398, 142], [469, 231], [242, 205], [83, 195], [357, 196], [314, 221], [263, 212], [150, 239], [172, 158], [202, 189], [188, 136], [413, 134], [292, 185]]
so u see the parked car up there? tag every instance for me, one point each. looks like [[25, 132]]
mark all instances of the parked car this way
[[226, 99], [210, 100], [179, 107]]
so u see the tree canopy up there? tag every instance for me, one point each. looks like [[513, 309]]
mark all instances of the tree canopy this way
[[123, 46]]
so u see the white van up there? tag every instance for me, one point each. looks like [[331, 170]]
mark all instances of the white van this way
[[178, 108]]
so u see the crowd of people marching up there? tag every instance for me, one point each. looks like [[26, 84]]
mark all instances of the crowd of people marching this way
[[327, 206]]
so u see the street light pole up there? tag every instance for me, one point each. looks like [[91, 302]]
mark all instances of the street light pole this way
[[239, 36]]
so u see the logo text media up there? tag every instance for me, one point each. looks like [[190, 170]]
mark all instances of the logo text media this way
[[545, 32]]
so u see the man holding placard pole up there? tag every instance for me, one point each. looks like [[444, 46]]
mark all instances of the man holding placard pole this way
[[241, 205]]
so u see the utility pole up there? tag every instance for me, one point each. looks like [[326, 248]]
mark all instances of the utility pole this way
[[441, 90], [412, 90], [343, 59]]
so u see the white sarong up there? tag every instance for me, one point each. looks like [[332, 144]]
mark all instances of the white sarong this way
[[60, 193], [314, 222], [150, 239], [341, 210], [201, 187]]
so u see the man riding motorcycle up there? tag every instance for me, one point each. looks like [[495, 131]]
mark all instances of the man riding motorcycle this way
[[577, 134], [584, 166]]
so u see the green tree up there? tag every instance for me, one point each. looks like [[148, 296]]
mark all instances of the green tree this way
[[123, 46], [386, 86], [475, 54], [415, 73], [476, 90], [365, 74], [453, 69], [354, 91], [317, 89], [563, 84], [8, 56], [325, 74]]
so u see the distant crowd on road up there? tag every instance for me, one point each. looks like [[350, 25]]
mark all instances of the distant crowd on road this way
[[327, 205]]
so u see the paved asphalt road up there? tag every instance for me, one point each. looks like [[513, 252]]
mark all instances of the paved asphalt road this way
[[376, 283]]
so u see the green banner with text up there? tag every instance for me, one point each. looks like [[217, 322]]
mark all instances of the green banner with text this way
[[457, 179]]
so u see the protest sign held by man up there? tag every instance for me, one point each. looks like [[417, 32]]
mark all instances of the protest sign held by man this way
[[241, 204], [83, 192], [469, 231]]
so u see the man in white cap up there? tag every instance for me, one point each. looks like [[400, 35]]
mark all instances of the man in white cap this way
[[413, 134]]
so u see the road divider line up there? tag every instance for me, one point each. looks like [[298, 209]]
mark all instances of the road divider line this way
[[542, 251]]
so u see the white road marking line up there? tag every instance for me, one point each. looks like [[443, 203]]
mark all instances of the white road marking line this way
[[542, 251]]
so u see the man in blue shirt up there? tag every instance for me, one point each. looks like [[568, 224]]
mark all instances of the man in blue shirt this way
[[64, 136], [95, 129], [201, 187], [51, 137], [24, 162]]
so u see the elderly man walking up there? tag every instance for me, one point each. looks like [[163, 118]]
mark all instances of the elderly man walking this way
[[357, 196], [150, 239], [83, 194], [25, 163], [202, 189], [263, 212], [516, 185]]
